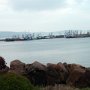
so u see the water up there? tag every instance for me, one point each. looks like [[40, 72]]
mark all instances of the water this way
[[48, 51]]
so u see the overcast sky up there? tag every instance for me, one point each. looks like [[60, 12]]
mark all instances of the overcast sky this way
[[44, 15]]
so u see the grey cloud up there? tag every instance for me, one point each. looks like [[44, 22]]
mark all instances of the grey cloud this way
[[37, 4]]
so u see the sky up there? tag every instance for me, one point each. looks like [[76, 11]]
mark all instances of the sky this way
[[44, 15]]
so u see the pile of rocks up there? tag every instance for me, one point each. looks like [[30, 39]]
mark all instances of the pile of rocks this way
[[50, 74]]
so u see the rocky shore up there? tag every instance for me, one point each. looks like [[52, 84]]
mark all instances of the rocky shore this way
[[50, 74]]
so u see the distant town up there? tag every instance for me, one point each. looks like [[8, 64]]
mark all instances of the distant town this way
[[50, 35]]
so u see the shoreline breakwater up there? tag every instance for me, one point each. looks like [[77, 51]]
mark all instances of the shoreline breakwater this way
[[51, 74]]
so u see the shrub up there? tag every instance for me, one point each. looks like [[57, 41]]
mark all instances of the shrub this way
[[11, 81]]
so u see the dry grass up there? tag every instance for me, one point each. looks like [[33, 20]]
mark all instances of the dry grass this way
[[59, 87]]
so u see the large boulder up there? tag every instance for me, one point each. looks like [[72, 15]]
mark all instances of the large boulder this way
[[17, 66], [57, 73], [3, 67], [36, 72], [84, 80], [63, 72], [52, 74], [35, 66], [71, 67], [75, 72], [2, 63]]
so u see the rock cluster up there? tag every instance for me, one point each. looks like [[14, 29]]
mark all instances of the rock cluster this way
[[50, 74]]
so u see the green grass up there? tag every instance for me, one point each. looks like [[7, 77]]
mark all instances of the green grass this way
[[11, 81]]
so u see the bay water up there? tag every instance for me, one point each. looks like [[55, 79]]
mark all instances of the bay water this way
[[73, 50]]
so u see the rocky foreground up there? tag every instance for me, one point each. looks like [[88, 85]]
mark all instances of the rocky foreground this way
[[50, 74]]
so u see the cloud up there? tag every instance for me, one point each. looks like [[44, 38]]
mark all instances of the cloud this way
[[37, 4], [81, 7], [48, 15], [40, 5], [3, 4], [86, 5]]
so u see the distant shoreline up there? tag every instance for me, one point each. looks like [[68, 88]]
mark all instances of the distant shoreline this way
[[19, 39]]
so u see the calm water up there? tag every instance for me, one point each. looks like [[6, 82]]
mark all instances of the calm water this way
[[50, 50]]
